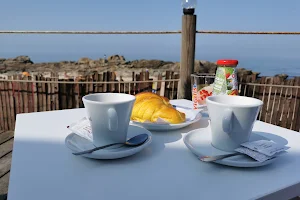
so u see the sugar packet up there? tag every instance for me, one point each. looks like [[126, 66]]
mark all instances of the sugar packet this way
[[82, 128], [253, 154], [268, 148]]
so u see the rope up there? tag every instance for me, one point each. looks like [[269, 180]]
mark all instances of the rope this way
[[151, 32]]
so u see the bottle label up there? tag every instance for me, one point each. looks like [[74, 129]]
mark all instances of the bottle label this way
[[225, 81]]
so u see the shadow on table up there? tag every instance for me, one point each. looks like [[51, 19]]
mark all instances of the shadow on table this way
[[159, 141]]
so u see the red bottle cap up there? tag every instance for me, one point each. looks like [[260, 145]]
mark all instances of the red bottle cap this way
[[228, 62]]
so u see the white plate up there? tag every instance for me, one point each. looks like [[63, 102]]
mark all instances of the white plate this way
[[199, 142], [76, 144], [183, 105]]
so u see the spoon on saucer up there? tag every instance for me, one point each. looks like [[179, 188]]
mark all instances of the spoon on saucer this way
[[134, 141], [214, 158]]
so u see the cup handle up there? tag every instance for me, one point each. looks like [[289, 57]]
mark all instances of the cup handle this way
[[112, 119], [227, 120]]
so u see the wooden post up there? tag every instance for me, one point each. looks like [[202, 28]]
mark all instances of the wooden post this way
[[188, 41]]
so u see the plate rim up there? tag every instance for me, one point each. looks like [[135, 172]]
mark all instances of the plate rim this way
[[197, 118], [114, 154], [225, 161]]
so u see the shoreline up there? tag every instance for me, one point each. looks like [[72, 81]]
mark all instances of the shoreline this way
[[115, 63]]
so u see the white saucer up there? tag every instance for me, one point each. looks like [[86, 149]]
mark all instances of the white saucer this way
[[199, 142], [192, 116], [76, 144]]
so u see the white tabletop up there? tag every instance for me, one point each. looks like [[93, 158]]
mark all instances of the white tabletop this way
[[43, 168]]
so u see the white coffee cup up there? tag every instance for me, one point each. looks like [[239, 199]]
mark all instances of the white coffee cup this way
[[109, 115], [231, 119]]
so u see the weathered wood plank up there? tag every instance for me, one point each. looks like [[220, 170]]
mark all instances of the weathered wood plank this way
[[276, 99], [30, 96], [167, 84], [4, 185], [268, 102], [24, 94], [1, 112], [262, 97], [49, 93], [39, 94], [4, 105], [44, 95], [296, 124], [5, 163], [53, 107], [15, 94], [285, 105], [187, 59], [6, 147], [20, 96], [293, 106], [56, 90], [76, 93], [5, 136], [35, 98], [8, 109], [11, 94]]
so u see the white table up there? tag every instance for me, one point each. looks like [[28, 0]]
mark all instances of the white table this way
[[43, 168]]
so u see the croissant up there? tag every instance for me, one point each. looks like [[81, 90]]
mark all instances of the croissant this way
[[150, 107]]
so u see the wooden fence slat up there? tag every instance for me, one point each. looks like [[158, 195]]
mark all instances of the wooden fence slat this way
[[281, 102], [100, 78], [167, 84], [44, 92], [91, 85], [76, 93], [20, 95], [11, 104], [110, 79], [96, 86], [285, 105], [30, 95], [48, 94], [39, 94], [292, 101], [71, 95], [15, 93], [296, 124], [262, 97], [53, 96], [56, 89], [268, 101], [276, 100], [35, 97], [4, 108], [8, 110], [2, 126], [133, 85], [24, 93]]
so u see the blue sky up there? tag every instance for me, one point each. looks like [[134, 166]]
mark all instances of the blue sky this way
[[256, 52]]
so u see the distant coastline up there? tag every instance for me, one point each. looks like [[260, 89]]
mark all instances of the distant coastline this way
[[117, 63]]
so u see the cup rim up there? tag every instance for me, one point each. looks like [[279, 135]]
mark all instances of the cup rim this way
[[84, 98], [259, 102]]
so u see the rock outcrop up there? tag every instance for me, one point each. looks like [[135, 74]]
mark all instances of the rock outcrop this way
[[85, 66]]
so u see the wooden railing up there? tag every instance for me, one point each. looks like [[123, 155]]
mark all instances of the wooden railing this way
[[35, 94]]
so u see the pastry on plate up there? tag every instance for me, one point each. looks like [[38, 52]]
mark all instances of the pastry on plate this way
[[150, 107]]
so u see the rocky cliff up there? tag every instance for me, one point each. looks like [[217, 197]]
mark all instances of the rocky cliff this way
[[85, 66]]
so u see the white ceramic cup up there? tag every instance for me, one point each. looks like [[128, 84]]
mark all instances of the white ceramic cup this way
[[231, 119], [109, 115]]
